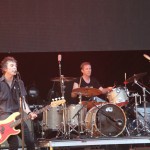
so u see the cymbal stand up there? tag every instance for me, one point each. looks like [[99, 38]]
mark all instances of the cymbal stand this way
[[144, 101], [79, 115], [136, 95], [80, 98]]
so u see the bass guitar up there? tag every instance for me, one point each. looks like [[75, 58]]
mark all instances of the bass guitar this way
[[7, 126]]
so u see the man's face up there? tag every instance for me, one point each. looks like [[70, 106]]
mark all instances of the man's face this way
[[86, 70], [11, 68]]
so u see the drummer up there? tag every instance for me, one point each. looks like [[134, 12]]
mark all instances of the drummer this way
[[87, 81]]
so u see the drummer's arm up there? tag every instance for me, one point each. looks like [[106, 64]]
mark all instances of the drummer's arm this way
[[75, 85], [105, 90]]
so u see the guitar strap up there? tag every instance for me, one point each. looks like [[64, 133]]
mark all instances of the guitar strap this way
[[80, 82]]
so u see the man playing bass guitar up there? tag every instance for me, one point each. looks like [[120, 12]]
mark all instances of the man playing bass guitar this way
[[10, 89]]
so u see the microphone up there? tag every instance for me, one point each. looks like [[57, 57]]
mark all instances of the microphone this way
[[59, 63], [146, 56], [59, 58]]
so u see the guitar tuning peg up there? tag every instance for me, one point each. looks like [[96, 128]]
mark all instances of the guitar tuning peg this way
[[59, 98], [62, 97], [53, 99], [56, 99]]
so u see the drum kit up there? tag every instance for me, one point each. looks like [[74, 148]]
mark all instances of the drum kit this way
[[95, 119], [92, 119]]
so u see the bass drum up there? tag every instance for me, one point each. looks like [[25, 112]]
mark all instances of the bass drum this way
[[107, 120]]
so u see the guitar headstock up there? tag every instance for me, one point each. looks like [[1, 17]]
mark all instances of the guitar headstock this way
[[57, 101]]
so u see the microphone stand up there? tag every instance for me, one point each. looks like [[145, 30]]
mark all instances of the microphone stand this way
[[22, 98], [63, 95]]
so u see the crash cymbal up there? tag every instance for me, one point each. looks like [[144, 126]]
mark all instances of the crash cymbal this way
[[135, 77], [66, 79], [88, 92]]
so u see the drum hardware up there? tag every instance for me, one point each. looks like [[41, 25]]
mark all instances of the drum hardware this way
[[141, 125], [76, 119], [61, 79], [42, 132], [144, 101], [135, 77], [82, 91], [137, 121], [91, 127], [62, 127], [79, 114]]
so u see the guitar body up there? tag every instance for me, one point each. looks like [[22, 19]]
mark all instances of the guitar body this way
[[5, 127]]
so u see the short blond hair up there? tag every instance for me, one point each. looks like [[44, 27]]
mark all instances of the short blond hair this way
[[84, 63]]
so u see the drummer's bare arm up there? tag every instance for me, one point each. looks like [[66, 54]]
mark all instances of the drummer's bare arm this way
[[75, 85], [105, 90]]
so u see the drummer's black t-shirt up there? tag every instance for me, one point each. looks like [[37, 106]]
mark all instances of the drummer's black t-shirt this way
[[92, 84]]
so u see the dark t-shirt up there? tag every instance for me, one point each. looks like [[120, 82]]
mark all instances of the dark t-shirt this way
[[9, 97], [92, 84]]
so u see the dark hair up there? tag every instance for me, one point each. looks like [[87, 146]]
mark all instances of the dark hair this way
[[84, 63], [5, 60]]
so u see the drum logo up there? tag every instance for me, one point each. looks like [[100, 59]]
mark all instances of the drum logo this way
[[109, 109]]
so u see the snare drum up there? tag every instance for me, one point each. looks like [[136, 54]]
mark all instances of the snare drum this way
[[76, 114], [53, 118], [118, 96], [107, 120]]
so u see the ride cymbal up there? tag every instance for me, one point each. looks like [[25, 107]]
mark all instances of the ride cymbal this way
[[89, 92]]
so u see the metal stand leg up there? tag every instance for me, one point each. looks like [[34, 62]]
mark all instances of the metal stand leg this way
[[63, 127]]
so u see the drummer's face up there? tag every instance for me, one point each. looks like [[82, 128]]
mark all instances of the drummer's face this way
[[86, 70]]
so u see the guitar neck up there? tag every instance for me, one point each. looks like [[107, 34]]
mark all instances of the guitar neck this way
[[53, 104], [17, 122]]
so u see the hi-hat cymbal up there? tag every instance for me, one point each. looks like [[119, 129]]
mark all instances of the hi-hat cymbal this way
[[135, 77], [66, 79], [89, 92]]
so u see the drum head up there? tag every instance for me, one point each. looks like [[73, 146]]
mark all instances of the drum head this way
[[118, 96], [111, 120]]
